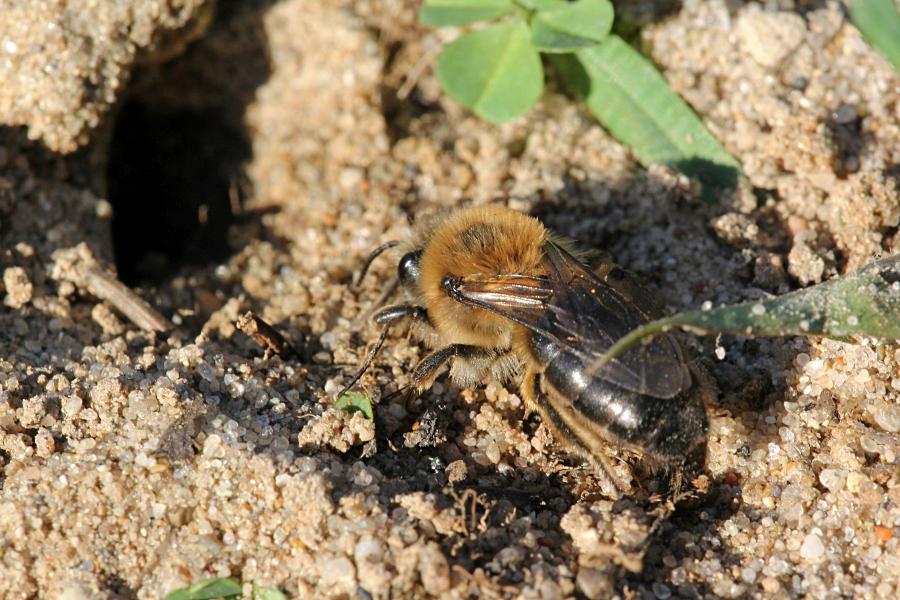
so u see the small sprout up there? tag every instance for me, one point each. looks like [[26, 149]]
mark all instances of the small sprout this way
[[442, 13], [267, 593], [569, 26], [351, 402], [209, 589], [496, 72]]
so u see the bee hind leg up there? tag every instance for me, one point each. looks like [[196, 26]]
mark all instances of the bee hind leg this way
[[615, 487], [565, 435]]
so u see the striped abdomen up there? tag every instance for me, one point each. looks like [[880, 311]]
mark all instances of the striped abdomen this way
[[596, 412]]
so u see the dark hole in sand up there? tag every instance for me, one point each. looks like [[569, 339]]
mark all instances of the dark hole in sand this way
[[179, 146], [172, 180]]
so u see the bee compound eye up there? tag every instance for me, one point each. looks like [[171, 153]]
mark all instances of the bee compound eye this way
[[409, 268]]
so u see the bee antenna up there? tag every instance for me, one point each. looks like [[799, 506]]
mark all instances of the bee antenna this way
[[375, 253], [368, 362]]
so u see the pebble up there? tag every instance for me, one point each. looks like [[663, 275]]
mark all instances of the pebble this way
[[338, 575], [593, 583], [211, 444], [833, 479], [887, 416], [434, 570], [18, 287], [812, 547], [769, 37], [493, 452]]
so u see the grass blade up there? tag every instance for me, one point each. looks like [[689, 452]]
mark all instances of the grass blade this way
[[635, 103], [879, 22], [866, 302]]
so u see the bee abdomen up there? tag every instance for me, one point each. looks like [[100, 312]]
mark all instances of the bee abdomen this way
[[598, 411]]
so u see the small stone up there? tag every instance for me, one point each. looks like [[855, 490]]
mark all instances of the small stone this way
[[833, 479], [805, 264], [856, 481], [887, 417], [211, 443], [44, 443], [337, 575], [594, 583], [456, 471], [883, 534], [493, 452], [434, 570], [18, 287], [769, 37], [107, 320], [661, 591], [844, 114], [550, 590], [812, 547]]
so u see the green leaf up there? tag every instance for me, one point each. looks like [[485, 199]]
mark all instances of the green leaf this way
[[209, 589], [635, 103], [267, 593], [866, 302], [356, 401], [442, 13], [495, 72], [571, 26], [879, 22], [540, 4]]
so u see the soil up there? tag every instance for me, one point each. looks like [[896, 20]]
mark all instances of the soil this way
[[248, 156]]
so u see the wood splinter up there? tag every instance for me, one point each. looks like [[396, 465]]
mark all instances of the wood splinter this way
[[265, 335], [79, 266]]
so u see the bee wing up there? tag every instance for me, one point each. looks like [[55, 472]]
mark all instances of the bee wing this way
[[584, 315]]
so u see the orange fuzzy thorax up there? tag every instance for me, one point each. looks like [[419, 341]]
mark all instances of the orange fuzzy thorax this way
[[490, 240]]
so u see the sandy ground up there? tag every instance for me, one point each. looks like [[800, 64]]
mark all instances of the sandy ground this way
[[134, 463]]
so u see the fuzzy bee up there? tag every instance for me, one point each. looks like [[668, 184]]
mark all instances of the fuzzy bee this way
[[502, 295]]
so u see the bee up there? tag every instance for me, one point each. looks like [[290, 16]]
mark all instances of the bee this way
[[499, 294]]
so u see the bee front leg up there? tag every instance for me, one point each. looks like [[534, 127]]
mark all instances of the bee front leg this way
[[388, 317], [392, 315]]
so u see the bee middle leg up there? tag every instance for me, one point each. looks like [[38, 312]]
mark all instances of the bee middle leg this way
[[428, 368]]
